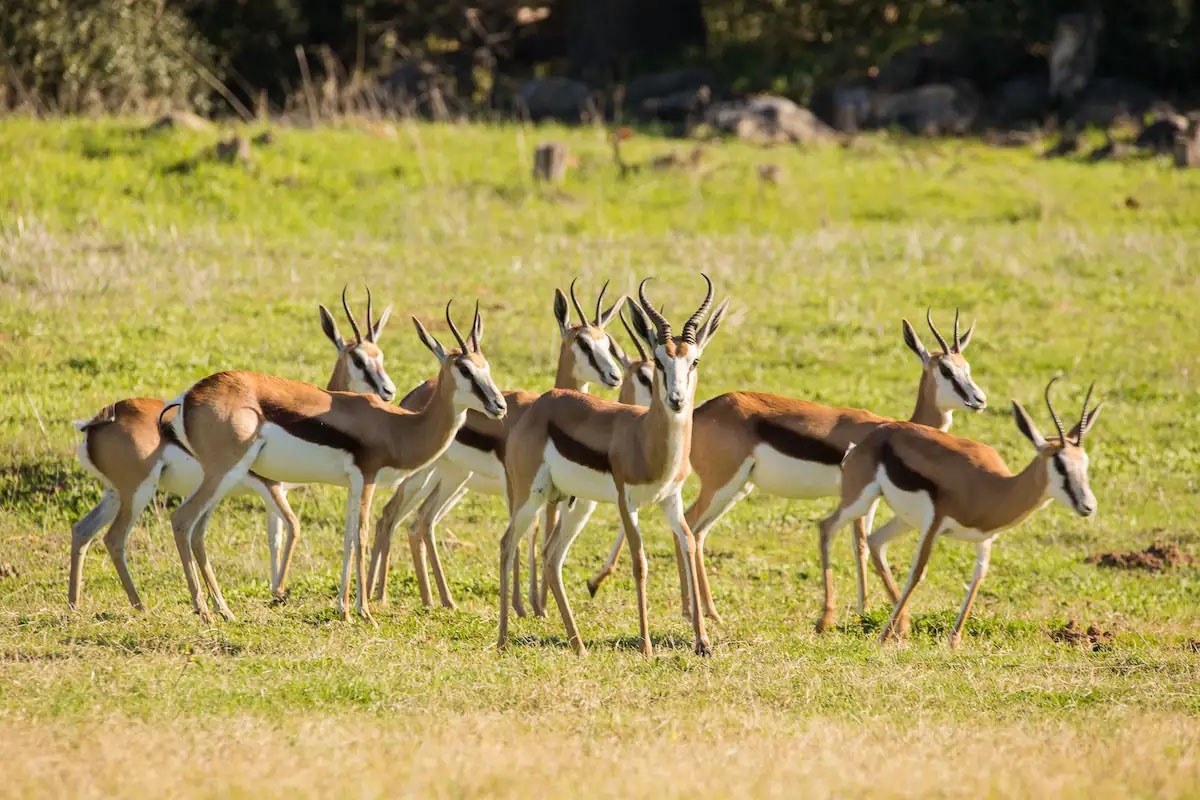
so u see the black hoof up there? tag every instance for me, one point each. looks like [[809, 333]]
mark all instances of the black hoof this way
[[704, 650], [280, 599]]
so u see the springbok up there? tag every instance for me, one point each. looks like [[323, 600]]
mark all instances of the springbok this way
[[793, 448], [945, 485], [123, 447], [570, 445], [284, 431], [475, 460]]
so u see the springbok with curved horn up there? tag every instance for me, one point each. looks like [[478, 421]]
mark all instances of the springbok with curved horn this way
[[285, 431], [475, 461], [570, 445], [945, 485], [123, 447], [794, 448]]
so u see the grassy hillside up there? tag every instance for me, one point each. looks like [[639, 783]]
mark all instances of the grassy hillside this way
[[131, 264]]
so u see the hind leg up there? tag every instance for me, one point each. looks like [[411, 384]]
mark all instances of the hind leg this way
[[878, 543], [118, 534], [856, 502], [441, 501], [915, 576], [520, 524], [569, 526], [701, 516], [411, 492], [83, 533]]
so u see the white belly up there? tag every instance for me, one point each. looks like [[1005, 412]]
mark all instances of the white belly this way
[[290, 459], [574, 480], [487, 471], [777, 474], [181, 473], [646, 494]]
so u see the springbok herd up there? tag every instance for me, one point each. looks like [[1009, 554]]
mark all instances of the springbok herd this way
[[556, 455]]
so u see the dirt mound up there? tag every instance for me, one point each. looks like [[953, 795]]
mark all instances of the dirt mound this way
[[9, 571], [1155, 558], [1072, 633]]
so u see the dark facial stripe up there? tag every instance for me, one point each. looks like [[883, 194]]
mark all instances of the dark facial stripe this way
[[797, 445], [578, 452], [369, 375], [590, 352], [476, 440], [476, 389], [904, 477], [644, 379], [311, 429], [949, 375], [1061, 469]]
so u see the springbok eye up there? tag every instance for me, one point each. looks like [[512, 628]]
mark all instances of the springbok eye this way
[[695, 364], [947, 373]]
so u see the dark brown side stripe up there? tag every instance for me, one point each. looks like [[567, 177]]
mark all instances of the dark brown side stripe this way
[[903, 476], [310, 429], [476, 440], [797, 445], [578, 452]]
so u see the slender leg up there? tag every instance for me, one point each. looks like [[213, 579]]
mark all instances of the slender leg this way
[[629, 520], [878, 543], [538, 595], [427, 521], [280, 516], [412, 490], [360, 549], [275, 545], [571, 523], [118, 534], [350, 540], [722, 500], [521, 523], [673, 508], [206, 571], [849, 509], [915, 576], [610, 564], [416, 548], [861, 527], [983, 555], [83, 533]]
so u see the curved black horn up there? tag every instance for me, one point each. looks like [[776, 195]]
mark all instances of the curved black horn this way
[[689, 327], [370, 322], [349, 316], [956, 347], [660, 322], [1084, 415], [462, 345], [1062, 435], [575, 301], [599, 301], [637, 341], [475, 329], [936, 334]]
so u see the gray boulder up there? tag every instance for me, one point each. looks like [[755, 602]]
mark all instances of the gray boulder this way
[[768, 120], [554, 98], [931, 110]]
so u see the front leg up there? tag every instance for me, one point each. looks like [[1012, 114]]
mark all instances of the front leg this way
[[350, 539], [629, 520], [672, 506], [915, 576], [983, 556], [360, 548]]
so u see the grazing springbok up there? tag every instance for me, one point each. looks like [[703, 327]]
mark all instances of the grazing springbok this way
[[284, 431], [475, 460], [123, 447], [583, 450], [945, 485], [794, 448]]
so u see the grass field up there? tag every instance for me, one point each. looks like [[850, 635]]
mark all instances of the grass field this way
[[126, 271]]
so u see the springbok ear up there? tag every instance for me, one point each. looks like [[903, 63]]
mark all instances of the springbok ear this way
[[914, 344], [383, 318], [330, 328], [641, 325], [1025, 426], [561, 312], [965, 339], [712, 323], [609, 315], [427, 339], [618, 352]]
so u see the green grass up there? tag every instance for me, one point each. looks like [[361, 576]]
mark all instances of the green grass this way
[[122, 276]]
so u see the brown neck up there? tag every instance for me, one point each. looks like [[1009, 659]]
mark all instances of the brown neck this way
[[339, 381], [565, 377], [666, 438], [926, 411], [417, 438], [1021, 494]]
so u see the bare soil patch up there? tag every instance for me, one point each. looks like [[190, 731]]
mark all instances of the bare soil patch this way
[[1155, 558], [1074, 634]]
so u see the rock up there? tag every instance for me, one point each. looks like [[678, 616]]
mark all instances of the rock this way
[[930, 110], [1073, 53], [550, 162], [1023, 99], [851, 108], [676, 107], [554, 98], [1187, 146], [768, 120], [1159, 135], [658, 85]]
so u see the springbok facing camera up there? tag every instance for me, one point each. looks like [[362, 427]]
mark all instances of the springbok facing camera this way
[[475, 461], [123, 447], [285, 431], [945, 485], [570, 445], [793, 448]]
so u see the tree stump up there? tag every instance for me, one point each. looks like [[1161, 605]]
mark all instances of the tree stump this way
[[550, 162], [1187, 146]]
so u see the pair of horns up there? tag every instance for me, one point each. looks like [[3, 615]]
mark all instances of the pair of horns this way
[[941, 340], [462, 343], [1083, 415], [579, 309], [664, 328], [358, 337]]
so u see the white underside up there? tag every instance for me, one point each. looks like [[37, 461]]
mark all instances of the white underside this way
[[777, 474], [574, 480], [290, 459], [487, 471], [916, 509]]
